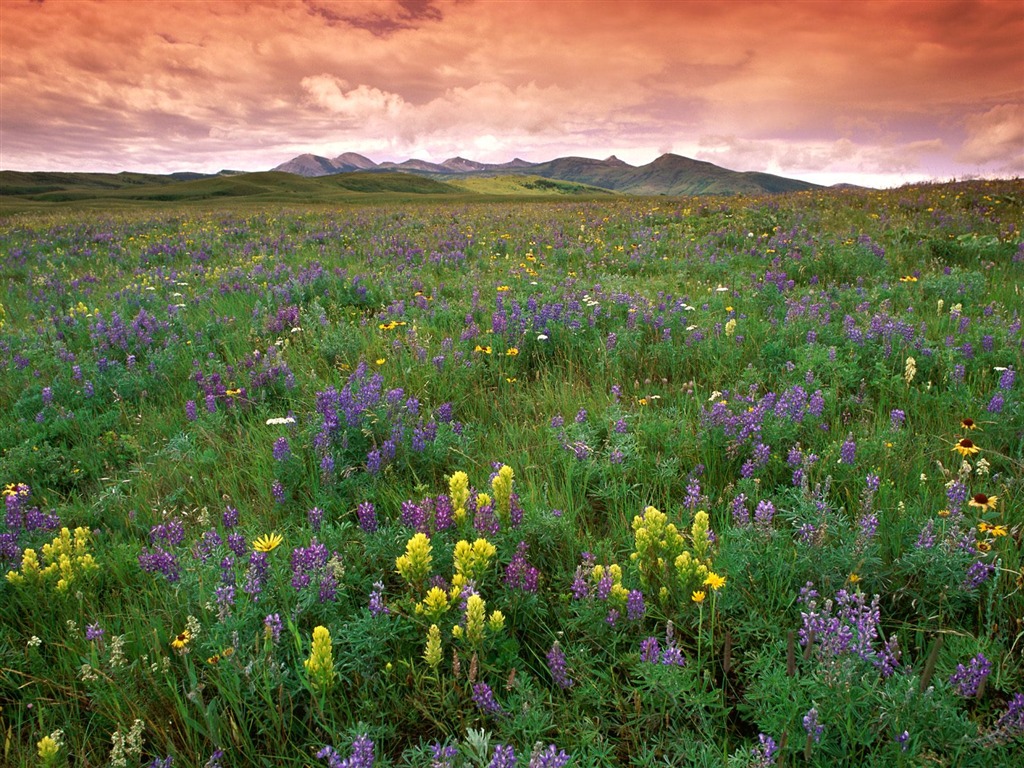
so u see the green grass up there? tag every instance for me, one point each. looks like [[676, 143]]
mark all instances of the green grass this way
[[745, 358]]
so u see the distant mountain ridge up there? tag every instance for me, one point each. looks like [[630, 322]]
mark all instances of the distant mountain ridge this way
[[667, 175]]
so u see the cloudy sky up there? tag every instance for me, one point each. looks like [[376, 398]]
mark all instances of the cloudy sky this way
[[861, 91]]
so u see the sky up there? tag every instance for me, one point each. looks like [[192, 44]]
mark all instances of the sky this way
[[876, 93]]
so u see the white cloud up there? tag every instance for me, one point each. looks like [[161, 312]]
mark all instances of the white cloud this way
[[996, 137]]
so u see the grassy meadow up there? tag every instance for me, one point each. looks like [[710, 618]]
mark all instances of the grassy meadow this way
[[452, 482]]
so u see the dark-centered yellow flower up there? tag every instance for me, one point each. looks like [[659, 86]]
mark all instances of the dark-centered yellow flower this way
[[966, 447]]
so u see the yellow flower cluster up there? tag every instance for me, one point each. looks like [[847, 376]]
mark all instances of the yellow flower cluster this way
[[502, 487], [665, 563], [458, 491], [432, 653], [414, 565], [66, 557], [320, 664], [471, 560], [477, 621], [434, 605], [657, 544]]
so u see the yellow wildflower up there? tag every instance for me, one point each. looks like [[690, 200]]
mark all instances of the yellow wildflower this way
[[982, 501], [268, 542], [181, 641], [496, 622], [320, 664], [471, 560], [966, 447], [698, 597], [458, 492], [714, 581], [476, 611], [434, 604], [414, 565], [432, 654], [502, 487]]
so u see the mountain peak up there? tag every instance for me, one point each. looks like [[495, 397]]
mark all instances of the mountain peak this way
[[613, 160]]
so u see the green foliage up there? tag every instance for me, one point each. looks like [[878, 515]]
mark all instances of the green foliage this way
[[250, 411]]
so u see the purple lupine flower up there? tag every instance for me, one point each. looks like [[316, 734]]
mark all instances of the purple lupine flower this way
[[995, 405], [172, 533], [650, 650], [812, 726], [367, 516], [224, 596], [621, 427], [94, 631], [10, 552], [362, 755], [377, 607], [47, 395], [190, 410], [281, 451], [764, 514], [888, 660], [868, 526], [504, 757], [977, 574], [230, 517], [327, 466], [483, 697], [215, 758], [581, 416], [160, 560], [764, 753], [672, 656], [692, 499], [278, 492], [549, 757], [557, 667], [1011, 723], [520, 574], [373, 461], [211, 404], [316, 518], [896, 418], [848, 450], [307, 562], [956, 492], [236, 543], [903, 740], [740, 513], [635, 608], [443, 756], [272, 626], [328, 591], [968, 680], [926, 539], [1007, 379], [255, 574]]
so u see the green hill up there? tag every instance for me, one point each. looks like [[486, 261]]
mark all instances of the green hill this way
[[28, 190]]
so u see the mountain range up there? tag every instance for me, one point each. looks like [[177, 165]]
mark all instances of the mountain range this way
[[667, 175]]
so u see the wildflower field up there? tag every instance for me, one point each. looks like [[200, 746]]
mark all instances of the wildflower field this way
[[630, 482]]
